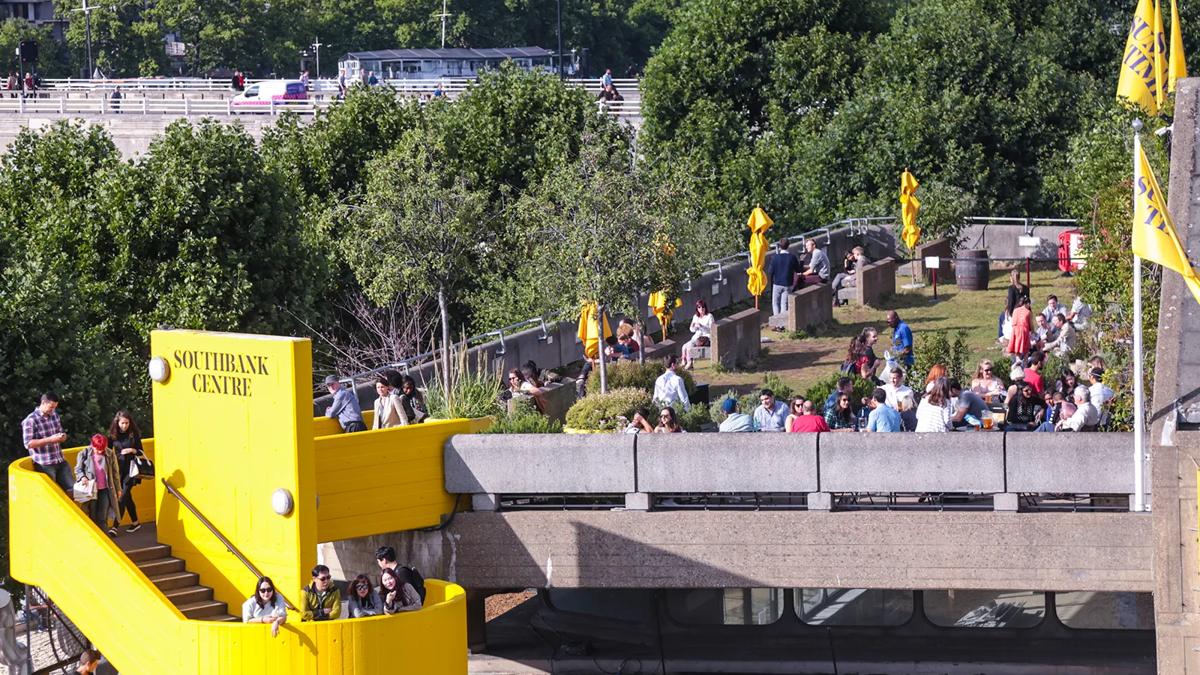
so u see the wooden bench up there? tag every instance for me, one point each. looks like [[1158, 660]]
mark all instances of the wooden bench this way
[[872, 283]]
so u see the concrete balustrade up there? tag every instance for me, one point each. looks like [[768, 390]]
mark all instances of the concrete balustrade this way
[[819, 465], [873, 283], [809, 307], [737, 339]]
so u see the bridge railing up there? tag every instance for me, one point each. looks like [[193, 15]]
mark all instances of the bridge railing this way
[[627, 87], [828, 471]]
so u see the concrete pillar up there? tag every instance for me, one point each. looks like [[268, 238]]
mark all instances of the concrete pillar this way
[[1006, 501], [476, 620], [638, 501], [820, 501]]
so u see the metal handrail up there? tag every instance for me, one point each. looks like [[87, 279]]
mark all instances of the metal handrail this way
[[217, 533]]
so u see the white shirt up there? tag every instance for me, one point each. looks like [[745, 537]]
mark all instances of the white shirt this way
[[1086, 415], [1082, 313], [702, 325], [251, 609], [933, 418], [893, 394], [669, 390], [1100, 394]]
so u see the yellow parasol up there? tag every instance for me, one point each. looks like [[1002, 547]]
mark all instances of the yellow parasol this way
[[587, 331], [909, 205], [658, 307], [756, 278]]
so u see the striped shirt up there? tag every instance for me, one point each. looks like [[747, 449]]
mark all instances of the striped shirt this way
[[36, 426]]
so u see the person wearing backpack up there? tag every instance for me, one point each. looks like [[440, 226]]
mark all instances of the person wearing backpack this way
[[385, 557]]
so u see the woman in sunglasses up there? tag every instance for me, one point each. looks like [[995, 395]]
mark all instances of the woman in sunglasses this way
[[364, 601], [265, 606], [668, 422]]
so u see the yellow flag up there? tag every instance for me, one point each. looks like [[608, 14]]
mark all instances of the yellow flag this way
[[1160, 56], [909, 206], [1177, 69], [756, 279], [1139, 81], [1154, 235]]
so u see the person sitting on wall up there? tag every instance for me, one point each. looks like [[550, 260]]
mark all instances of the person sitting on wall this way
[[363, 600], [848, 277], [669, 388], [735, 421], [623, 346], [265, 606], [398, 595], [701, 327], [344, 408], [388, 411], [882, 417], [795, 409], [322, 601], [1026, 410], [412, 400], [817, 271], [771, 413], [808, 421]]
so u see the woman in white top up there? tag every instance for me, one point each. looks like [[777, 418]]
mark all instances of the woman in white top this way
[[933, 412], [265, 606], [702, 324]]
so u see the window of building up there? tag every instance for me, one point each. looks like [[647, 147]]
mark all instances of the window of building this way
[[853, 606], [985, 609], [623, 604], [1111, 611], [726, 606]]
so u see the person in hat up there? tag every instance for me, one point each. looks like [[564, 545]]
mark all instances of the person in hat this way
[[345, 408], [98, 463], [735, 421]]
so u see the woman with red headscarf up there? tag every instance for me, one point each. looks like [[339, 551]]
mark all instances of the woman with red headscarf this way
[[98, 463]]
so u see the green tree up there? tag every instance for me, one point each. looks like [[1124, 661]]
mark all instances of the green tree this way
[[51, 61], [419, 230], [123, 42]]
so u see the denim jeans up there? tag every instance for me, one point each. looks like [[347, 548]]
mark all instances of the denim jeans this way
[[779, 299]]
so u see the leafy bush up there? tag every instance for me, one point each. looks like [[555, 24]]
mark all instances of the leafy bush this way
[[746, 403], [936, 347], [821, 390], [776, 384], [631, 374], [524, 419], [693, 420], [599, 412]]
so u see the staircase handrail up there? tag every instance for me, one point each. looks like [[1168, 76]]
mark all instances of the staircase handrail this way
[[217, 533]]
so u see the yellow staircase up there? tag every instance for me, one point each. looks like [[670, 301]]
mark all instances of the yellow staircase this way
[[170, 601]]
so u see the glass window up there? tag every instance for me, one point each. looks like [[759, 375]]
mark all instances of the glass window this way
[[1114, 611], [853, 606], [726, 606], [625, 604], [985, 609]]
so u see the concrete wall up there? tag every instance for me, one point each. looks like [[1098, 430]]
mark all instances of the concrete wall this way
[[540, 464], [809, 307], [1001, 240], [942, 248], [738, 338], [873, 283], [702, 463], [963, 462], [131, 133]]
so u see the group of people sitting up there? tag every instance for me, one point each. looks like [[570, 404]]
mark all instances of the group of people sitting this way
[[400, 589], [399, 403], [1054, 329]]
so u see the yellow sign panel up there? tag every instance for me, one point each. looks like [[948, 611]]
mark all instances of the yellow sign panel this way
[[233, 425]]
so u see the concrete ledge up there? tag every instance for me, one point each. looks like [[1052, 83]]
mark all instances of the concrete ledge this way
[[943, 248], [539, 463], [950, 462], [872, 282], [736, 339], [1071, 462], [715, 462], [808, 307]]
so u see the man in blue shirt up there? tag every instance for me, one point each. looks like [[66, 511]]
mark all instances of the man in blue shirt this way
[[781, 271], [902, 339], [883, 417], [345, 408]]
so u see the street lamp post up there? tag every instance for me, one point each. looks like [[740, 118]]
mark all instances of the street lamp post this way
[[561, 74], [87, 24]]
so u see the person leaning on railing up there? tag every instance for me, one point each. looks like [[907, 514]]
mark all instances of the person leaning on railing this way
[[398, 596], [43, 435], [362, 600], [322, 601], [345, 408], [265, 606]]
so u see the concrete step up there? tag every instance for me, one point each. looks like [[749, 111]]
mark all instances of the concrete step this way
[[166, 582], [228, 618], [161, 566], [189, 594], [145, 553], [203, 609]]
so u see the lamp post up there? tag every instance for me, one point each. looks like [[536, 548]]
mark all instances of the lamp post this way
[[561, 74], [87, 23]]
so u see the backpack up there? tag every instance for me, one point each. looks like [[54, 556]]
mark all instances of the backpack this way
[[411, 576]]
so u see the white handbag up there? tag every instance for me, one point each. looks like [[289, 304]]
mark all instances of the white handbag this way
[[84, 491]]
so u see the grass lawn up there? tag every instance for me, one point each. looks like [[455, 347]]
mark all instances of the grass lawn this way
[[800, 363]]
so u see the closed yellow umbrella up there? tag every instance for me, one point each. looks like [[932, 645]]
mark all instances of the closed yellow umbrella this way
[[588, 331], [658, 307], [909, 205], [756, 278]]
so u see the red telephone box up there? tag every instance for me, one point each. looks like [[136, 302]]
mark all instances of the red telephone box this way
[[1070, 251]]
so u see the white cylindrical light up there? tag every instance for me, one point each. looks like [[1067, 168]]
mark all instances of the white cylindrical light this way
[[281, 502], [160, 370]]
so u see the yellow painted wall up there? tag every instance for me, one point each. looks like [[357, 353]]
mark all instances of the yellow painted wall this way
[[375, 482], [233, 424], [138, 629]]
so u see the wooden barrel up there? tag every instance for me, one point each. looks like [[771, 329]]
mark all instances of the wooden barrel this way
[[971, 270]]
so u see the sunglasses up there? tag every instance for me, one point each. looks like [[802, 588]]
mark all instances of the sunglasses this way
[[362, 587], [266, 590], [324, 578]]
